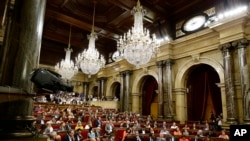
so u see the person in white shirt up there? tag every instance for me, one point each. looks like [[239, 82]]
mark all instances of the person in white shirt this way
[[174, 126]]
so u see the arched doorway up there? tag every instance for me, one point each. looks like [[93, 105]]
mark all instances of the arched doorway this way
[[149, 95], [115, 90], [203, 95]]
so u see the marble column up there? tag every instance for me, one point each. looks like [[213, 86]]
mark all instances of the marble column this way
[[160, 89], [86, 89], [244, 76], [101, 86], [127, 102], [122, 91], [23, 43], [98, 88], [229, 85], [169, 107]]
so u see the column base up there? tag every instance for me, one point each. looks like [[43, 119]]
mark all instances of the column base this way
[[246, 121], [232, 121], [160, 117], [169, 118]]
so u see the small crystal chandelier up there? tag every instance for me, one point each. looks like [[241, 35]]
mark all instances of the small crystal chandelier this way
[[136, 45], [66, 68], [89, 60]]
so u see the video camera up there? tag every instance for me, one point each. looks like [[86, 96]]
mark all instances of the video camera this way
[[49, 80]]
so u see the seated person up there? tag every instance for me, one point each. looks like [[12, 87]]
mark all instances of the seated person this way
[[155, 124], [79, 125], [200, 133], [207, 127], [137, 137], [164, 131], [92, 136], [186, 127], [161, 138], [78, 135], [151, 137], [185, 132], [194, 126], [49, 129], [174, 126], [177, 132], [54, 136], [183, 138], [62, 127], [196, 138], [223, 135]]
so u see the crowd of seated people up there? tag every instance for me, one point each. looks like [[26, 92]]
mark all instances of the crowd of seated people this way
[[71, 98], [90, 123]]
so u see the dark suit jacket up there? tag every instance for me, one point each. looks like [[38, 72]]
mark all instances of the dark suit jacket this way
[[153, 138], [196, 140], [66, 138]]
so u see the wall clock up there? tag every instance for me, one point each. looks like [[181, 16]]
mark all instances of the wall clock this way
[[116, 55], [194, 23]]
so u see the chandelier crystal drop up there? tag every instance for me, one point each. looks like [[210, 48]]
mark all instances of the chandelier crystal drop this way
[[90, 61], [66, 68], [136, 45]]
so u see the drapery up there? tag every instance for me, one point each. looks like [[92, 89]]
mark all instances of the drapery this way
[[148, 94], [202, 83]]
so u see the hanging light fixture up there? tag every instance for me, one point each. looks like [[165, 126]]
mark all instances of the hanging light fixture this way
[[136, 45], [89, 60], [66, 68]]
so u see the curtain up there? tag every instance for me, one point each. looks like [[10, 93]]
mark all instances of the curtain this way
[[202, 83], [148, 94]]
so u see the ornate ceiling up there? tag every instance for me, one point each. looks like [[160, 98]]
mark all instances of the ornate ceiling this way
[[112, 19]]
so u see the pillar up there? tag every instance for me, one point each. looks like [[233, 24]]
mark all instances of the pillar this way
[[169, 107], [180, 103], [127, 102], [229, 85], [244, 77], [135, 97], [160, 89], [86, 89], [22, 43], [122, 92]]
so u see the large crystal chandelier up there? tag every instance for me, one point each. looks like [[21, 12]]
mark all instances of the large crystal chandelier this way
[[90, 61], [136, 45], [66, 68]]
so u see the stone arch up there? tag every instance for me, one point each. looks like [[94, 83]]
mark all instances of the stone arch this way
[[109, 84], [136, 89], [182, 74], [181, 80], [138, 78]]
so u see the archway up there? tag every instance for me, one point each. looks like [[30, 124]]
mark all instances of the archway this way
[[149, 95], [203, 95], [115, 90]]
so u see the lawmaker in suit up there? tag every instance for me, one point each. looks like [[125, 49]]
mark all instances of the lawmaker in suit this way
[[69, 136], [196, 138]]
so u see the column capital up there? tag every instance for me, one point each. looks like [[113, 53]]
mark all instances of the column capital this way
[[160, 63], [169, 62], [241, 43], [225, 47], [102, 78], [85, 83], [126, 72]]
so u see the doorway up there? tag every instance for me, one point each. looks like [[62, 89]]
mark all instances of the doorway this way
[[203, 95], [149, 95]]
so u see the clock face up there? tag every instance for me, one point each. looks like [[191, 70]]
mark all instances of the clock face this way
[[194, 23], [116, 55]]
